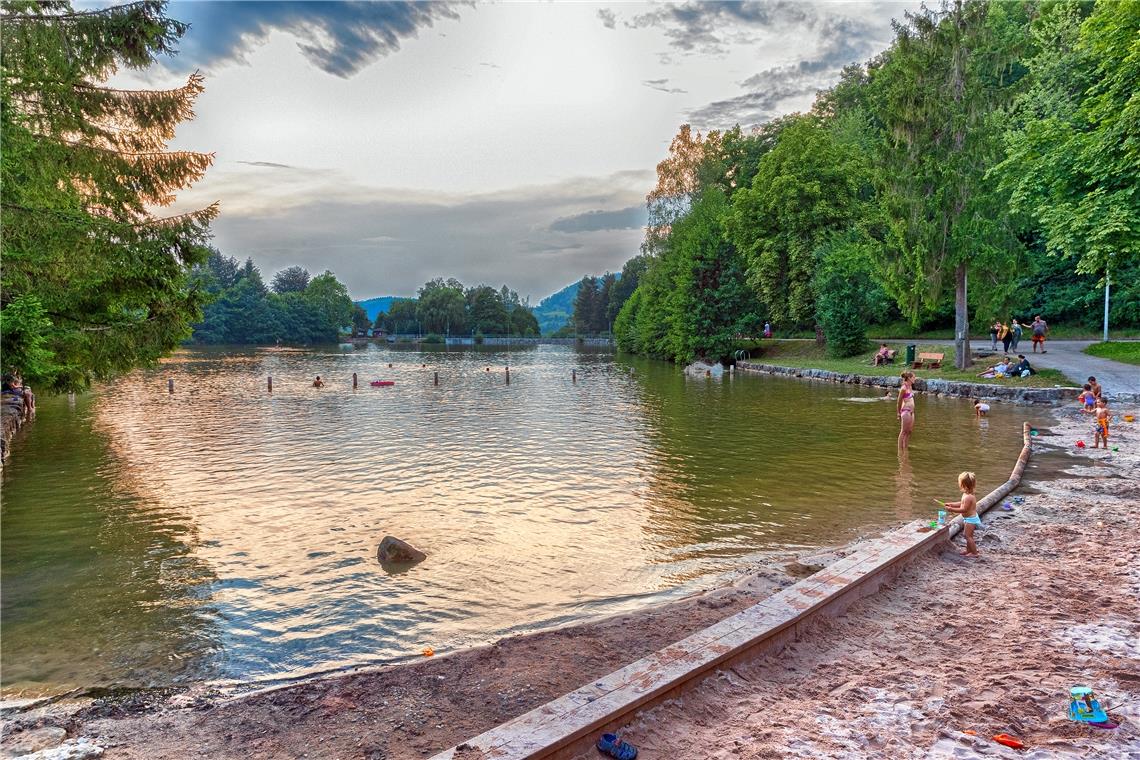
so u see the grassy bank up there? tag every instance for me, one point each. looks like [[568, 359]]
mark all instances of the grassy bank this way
[[1128, 353], [903, 331], [809, 355]]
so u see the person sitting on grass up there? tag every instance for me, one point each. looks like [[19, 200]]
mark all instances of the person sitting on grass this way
[[882, 356], [1001, 369], [1022, 368], [968, 508]]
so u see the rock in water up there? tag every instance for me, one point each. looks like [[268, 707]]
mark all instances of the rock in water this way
[[394, 551]]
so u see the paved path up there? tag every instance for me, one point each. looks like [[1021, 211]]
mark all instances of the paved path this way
[[1069, 357]]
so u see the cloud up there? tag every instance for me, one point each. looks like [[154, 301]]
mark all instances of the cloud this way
[[660, 85], [841, 41], [340, 38], [631, 218], [266, 164], [384, 241], [609, 20], [709, 27]]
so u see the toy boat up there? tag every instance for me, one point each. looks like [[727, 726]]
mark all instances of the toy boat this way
[[382, 383]]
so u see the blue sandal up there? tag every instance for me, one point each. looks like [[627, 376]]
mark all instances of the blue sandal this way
[[615, 747]]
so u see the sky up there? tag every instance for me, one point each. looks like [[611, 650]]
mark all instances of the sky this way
[[510, 143]]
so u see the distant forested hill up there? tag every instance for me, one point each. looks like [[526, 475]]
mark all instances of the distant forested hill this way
[[379, 305], [555, 310]]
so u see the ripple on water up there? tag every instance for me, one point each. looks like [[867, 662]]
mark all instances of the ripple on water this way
[[238, 529]]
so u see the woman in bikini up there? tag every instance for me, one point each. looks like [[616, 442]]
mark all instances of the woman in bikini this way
[[906, 408]]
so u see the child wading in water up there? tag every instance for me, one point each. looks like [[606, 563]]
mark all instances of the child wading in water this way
[[1100, 426], [968, 508]]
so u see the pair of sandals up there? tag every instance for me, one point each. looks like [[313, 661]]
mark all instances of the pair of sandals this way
[[616, 748]]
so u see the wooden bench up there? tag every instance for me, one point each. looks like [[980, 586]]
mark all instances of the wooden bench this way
[[929, 361]]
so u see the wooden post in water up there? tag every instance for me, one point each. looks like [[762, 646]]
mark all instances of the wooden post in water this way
[[271, 383], [573, 375], [354, 381], [508, 375], [170, 385], [437, 378]]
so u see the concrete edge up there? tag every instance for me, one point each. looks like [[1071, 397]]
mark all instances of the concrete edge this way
[[942, 387], [568, 725]]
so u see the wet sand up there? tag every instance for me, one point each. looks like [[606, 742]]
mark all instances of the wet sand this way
[[988, 645]]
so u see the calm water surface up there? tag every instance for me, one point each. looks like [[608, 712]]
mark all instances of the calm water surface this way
[[224, 533]]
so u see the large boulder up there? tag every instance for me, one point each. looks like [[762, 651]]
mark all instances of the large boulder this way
[[393, 551]]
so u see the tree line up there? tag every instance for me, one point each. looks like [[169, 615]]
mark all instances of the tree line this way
[[448, 308], [988, 160], [296, 308]]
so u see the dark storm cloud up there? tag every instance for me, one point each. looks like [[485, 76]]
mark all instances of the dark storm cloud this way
[[661, 85], [340, 38], [632, 218], [841, 41], [389, 242]]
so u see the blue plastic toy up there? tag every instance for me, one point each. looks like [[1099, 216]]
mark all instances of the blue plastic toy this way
[[1085, 707]]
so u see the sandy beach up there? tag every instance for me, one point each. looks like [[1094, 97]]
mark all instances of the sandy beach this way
[[956, 645], [986, 645]]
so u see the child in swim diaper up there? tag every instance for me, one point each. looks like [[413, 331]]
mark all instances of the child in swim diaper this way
[[968, 508]]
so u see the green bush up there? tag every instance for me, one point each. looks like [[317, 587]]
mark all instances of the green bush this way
[[434, 338]]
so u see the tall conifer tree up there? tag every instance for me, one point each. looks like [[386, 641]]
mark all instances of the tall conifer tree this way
[[94, 282]]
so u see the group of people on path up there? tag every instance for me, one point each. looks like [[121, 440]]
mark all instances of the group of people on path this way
[[1009, 335]]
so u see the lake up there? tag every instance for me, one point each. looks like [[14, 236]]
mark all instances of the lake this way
[[227, 534]]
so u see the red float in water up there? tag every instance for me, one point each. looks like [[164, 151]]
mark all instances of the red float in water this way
[[382, 383]]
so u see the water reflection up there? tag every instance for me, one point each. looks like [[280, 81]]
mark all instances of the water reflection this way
[[96, 592], [236, 529]]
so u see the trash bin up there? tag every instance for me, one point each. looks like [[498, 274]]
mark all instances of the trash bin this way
[[910, 348]]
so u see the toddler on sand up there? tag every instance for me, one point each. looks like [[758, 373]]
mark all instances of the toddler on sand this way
[[968, 508], [1100, 425]]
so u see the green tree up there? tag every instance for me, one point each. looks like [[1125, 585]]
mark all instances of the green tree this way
[[1074, 164], [486, 313], [360, 320], [938, 97], [291, 280], [711, 303], [401, 317], [586, 306], [93, 282], [442, 307], [805, 189], [328, 299]]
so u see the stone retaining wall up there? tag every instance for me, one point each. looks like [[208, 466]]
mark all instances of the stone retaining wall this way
[[1010, 393], [12, 418]]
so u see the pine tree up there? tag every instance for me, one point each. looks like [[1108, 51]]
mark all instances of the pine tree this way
[[91, 275]]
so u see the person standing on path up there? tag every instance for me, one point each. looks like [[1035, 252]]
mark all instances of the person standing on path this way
[[1006, 336], [1040, 329], [1016, 334], [994, 328]]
